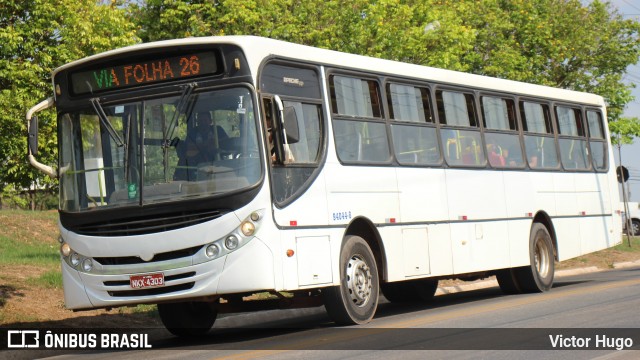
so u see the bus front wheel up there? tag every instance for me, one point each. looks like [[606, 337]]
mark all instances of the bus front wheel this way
[[355, 300], [188, 318]]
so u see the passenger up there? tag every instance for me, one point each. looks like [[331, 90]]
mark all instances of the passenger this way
[[198, 148]]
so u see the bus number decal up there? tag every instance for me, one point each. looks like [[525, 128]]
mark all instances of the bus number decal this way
[[341, 215], [190, 66]]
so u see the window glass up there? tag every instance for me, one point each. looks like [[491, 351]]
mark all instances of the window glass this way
[[415, 145], [569, 121], [159, 150], [408, 103], [573, 153], [307, 148], [535, 118], [541, 152], [455, 108], [499, 114], [462, 147], [355, 97], [597, 142], [596, 130], [503, 150], [359, 141]]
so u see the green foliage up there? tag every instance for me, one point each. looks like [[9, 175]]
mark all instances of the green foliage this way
[[561, 43], [37, 36]]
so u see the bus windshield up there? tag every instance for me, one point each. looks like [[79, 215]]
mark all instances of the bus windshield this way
[[158, 150]]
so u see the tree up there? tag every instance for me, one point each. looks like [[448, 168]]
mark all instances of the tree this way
[[560, 43], [37, 36]]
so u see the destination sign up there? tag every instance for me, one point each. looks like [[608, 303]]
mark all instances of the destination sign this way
[[144, 72]]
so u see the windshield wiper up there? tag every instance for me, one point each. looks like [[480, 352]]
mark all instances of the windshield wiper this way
[[185, 106], [95, 102]]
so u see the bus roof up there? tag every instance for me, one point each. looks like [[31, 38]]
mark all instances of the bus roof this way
[[258, 48]]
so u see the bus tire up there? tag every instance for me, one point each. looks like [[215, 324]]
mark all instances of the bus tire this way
[[355, 300], [538, 276], [188, 318], [508, 281], [397, 292], [421, 290], [635, 227], [426, 289]]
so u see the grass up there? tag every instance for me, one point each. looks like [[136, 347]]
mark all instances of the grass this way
[[30, 263], [51, 279], [14, 252]]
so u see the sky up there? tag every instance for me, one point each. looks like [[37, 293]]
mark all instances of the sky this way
[[630, 9]]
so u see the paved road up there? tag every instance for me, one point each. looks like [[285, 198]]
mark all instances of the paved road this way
[[468, 325]]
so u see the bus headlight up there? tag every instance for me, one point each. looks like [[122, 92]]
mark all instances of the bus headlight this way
[[65, 249], [235, 239], [75, 259], [87, 265], [212, 251], [248, 228], [231, 242]]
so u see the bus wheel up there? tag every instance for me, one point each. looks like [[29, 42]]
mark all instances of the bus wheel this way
[[538, 277], [398, 291], [635, 227], [421, 290], [188, 318], [355, 300], [508, 281]]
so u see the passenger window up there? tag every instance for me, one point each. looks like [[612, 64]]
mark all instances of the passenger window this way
[[409, 103], [413, 130], [461, 138], [361, 141], [307, 147], [539, 142], [597, 141], [573, 145], [355, 97], [501, 136], [456, 109]]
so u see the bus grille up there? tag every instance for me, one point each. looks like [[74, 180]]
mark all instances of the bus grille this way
[[152, 291], [166, 279], [130, 260], [147, 224]]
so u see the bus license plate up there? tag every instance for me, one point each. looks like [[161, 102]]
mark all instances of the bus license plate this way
[[148, 280]]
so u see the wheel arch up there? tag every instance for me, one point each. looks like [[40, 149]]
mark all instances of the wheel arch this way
[[544, 218], [366, 229]]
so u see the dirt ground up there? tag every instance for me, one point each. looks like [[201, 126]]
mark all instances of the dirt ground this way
[[31, 305]]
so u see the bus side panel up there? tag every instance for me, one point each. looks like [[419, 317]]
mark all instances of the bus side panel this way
[[478, 213], [594, 200], [565, 224], [423, 197], [370, 193], [520, 197], [310, 209]]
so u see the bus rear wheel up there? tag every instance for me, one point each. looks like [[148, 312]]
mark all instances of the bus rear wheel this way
[[421, 290], [188, 318], [538, 276], [355, 300]]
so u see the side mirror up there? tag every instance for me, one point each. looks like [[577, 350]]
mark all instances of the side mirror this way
[[291, 125], [33, 136]]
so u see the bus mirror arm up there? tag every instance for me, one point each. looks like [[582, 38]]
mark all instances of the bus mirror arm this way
[[32, 131], [287, 121]]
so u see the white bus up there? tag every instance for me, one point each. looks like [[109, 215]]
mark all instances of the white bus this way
[[195, 173]]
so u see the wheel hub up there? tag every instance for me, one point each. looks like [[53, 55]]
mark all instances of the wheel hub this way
[[359, 281]]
